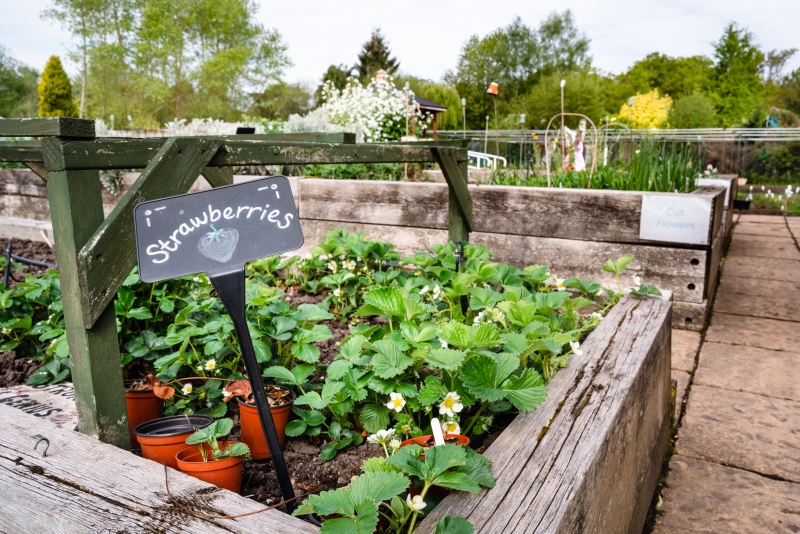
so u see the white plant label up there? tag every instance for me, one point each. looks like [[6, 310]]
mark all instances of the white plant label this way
[[438, 437], [675, 218], [716, 182]]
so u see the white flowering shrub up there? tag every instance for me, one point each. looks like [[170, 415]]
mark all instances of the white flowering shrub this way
[[379, 108], [317, 121], [206, 127]]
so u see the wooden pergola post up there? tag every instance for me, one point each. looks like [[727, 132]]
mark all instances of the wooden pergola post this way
[[95, 255]]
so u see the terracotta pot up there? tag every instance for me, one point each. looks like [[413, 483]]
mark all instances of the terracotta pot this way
[[427, 441], [225, 474], [143, 406], [252, 431], [163, 438]]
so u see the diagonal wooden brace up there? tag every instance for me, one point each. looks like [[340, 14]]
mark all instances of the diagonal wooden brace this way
[[459, 220], [108, 257]]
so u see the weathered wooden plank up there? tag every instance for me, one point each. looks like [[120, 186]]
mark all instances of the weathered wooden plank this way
[[680, 270], [117, 153], [406, 240], [41, 126], [714, 259], [110, 254], [585, 214], [83, 485], [588, 459], [21, 151], [420, 205], [218, 176], [459, 213], [77, 210], [347, 138]]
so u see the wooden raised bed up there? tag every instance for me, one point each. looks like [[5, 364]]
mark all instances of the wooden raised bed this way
[[574, 231], [587, 459]]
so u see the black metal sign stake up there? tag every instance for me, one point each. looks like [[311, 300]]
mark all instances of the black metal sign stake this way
[[218, 232], [230, 289]]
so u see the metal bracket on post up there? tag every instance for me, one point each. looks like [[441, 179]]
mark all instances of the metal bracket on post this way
[[230, 289]]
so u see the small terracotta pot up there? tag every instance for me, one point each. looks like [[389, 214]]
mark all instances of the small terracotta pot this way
[[163, 438], [225, 474], [143, 406], [252, 431]]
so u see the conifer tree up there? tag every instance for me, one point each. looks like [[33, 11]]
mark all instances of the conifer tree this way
[[374, 56], [55, 92]]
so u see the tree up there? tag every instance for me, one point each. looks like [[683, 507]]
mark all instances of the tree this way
[[374, 56], [738, 86], [280, 100], [583, 93], [674, 76], [516, 57], [693, 111], [55, 91], [17, 88], [508, 56], [563, 48], [774, 64], [337, 75], [77, 16], [442, 94]]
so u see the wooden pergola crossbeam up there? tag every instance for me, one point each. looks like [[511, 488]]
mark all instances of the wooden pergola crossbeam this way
[[96, 254]]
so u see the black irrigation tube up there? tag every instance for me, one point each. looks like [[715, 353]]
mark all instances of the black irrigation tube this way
[[10, 256]]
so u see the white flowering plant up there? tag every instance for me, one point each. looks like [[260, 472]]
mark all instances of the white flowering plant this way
[[379, 110]]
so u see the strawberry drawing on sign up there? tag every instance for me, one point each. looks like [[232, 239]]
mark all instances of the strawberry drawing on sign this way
[[219, 244]]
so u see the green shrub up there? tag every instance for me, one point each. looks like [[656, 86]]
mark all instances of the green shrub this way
[[55, 92], [693, 111]]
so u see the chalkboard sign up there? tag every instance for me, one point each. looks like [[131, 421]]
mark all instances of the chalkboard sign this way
[[216, 231]]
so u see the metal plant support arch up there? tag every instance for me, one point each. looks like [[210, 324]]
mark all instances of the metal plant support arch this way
[[547, 144]]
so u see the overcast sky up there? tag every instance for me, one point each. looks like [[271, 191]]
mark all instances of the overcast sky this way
[[426, 36]]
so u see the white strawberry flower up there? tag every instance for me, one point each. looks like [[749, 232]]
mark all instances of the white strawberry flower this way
[[636, 280], [395, 444], [450, 405], [596, 316], [423, 290], [226, 393], [443, 343], [396, 403], [576, 348], [349, 265], [332, 266], [451, 427], [415, 503], [381, 436], [323, 257], [337, 292], [210, 365], [187, 388], [437, 293], [309, 256]]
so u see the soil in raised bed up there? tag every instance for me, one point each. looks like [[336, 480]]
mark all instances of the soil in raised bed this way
[[15, 370], [31, 250]]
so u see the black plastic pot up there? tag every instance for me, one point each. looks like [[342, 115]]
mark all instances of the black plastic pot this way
[[741, 205], [161, 439]]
